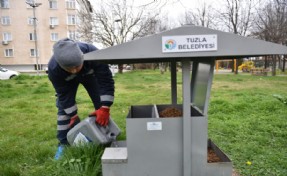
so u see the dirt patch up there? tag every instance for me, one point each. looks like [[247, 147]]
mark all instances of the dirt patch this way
[[234, 173], [170, 112], [212, 157]]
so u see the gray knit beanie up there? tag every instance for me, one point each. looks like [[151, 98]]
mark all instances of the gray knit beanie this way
[[67, 53]]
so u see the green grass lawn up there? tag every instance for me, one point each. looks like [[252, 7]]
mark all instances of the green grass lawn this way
[[245, 120]]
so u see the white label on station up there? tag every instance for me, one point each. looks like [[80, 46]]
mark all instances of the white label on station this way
[[151, 126], [189, 43]]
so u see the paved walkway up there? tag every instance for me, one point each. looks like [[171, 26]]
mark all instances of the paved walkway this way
[[221, 71]]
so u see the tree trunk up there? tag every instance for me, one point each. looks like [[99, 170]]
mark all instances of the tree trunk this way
[[236, 64], [162, 67], [155, 66], [279, 63], [283, 64], [273, 65], [120, 68], [266, 62]]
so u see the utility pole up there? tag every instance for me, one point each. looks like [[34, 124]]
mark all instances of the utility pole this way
[[34, 5]]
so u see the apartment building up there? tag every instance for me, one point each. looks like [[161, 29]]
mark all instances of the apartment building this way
[[55, 19]]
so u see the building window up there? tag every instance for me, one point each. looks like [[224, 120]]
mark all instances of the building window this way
[[72, 35], [4, 4], [9, 53], [5, 20], [54, 36], [71, 4], [32, 37], [7, 36], [33, 53], [71, 19], [53, 4], [54, 21], [30, 21], [31, 1]]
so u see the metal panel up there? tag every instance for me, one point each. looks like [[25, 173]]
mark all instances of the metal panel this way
[[145, 111], [202, 75], [198, 145], [209, 85], [154, 152]]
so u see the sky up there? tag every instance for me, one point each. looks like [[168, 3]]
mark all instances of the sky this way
[[173, 8], [177, 7]]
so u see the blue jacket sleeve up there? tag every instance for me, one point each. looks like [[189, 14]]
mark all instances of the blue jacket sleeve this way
[[104, 77], [106, 83]]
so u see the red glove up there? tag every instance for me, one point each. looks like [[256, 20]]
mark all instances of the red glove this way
[[103, 115], [74, 121]]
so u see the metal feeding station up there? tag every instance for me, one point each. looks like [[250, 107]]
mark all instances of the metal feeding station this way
[[174, 146]]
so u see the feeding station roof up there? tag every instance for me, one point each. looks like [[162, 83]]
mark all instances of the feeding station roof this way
[[190, 42], [187, 44]]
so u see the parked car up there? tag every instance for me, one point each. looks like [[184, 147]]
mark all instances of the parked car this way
[[114, 66], [114, 69], [128, 67], [7, 74], [46, 70]]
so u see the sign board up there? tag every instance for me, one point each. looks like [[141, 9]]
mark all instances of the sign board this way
[[154, 126], [189, 43]]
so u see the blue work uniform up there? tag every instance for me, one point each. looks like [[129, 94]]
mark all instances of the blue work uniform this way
[[94, 76]]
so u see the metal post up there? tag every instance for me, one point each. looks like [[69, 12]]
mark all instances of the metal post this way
[[173, 83], [35, 35], [187, 165], [34, 5], [118, 41]]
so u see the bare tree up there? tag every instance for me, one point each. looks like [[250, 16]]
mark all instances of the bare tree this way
[[85, 28], [119, 21], [201, 16], [271, 25], [272, 22], [237, 17]]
